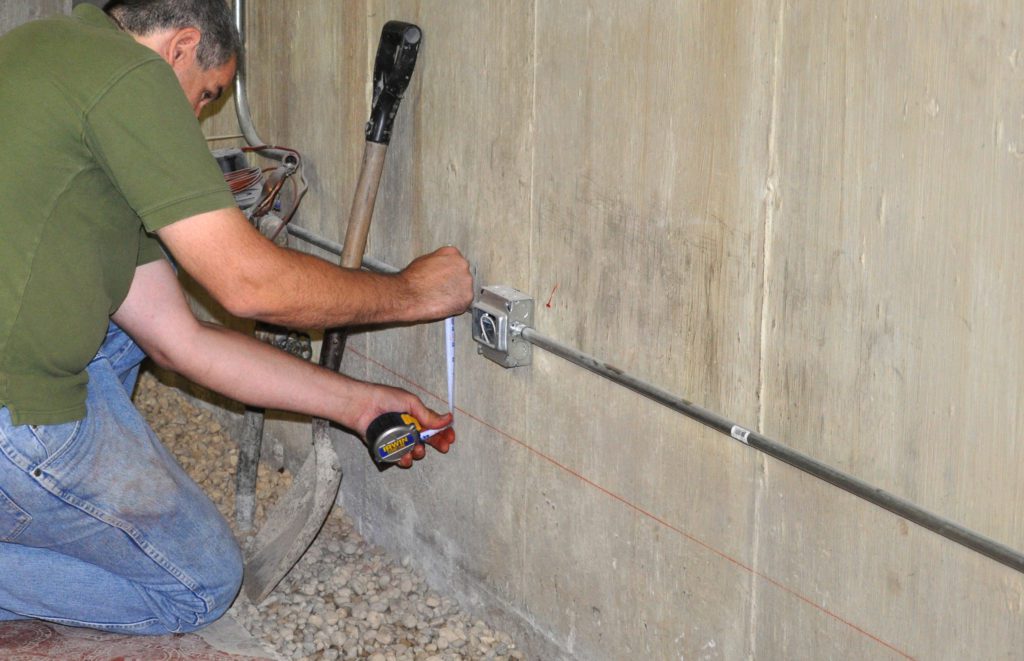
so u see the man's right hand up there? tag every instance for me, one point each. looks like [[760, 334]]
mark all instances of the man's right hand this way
[[439, 284]]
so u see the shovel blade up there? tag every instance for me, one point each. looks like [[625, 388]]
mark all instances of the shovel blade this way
[[296, 519]]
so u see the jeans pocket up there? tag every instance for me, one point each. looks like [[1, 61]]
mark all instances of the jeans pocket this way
[[51, 439], [13, 519]]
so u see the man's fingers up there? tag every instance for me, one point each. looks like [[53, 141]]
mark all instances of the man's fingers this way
[[432, 420], [442, 440]]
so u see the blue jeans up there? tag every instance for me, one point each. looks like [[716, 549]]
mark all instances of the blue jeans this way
[[100, 527]]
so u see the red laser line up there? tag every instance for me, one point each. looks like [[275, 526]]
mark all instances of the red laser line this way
[[636, 508]]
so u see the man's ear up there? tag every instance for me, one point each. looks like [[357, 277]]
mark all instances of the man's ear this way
[[181, 48]]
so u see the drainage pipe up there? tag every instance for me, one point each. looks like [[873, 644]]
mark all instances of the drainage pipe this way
[[900, 506]]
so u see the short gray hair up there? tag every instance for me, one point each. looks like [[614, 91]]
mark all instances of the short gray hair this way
[[219, 42]]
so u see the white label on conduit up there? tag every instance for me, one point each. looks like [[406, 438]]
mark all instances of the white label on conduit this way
[[739, 433]]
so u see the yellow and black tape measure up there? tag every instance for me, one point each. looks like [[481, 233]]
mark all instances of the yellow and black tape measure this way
[[391, 436]]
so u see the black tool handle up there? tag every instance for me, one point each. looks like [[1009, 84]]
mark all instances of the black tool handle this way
[[333, 348], [392, 70]]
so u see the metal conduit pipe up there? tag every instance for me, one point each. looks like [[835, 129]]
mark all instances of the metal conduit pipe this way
[[900, 506], [333, 247], [242, 99]]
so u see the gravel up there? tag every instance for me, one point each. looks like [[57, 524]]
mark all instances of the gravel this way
[[345, 599]]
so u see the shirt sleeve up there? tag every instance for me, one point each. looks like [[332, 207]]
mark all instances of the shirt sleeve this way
[[144, 134], [150, 249]]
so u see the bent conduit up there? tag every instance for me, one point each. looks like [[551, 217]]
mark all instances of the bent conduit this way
[[900, 506], [242, 99]]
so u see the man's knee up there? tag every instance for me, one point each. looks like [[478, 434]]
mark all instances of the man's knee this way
[[216, 594], [226, 585]]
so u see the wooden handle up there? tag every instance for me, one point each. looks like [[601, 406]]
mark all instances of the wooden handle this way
[[355, 240], [362, 205]]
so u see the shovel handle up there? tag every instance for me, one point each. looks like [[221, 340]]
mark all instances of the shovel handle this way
[[392, 70], [355, 239]]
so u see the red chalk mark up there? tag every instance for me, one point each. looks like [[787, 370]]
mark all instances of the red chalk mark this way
[[548, 304]]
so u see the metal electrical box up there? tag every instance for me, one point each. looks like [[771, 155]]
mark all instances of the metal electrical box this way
[[499, 315]]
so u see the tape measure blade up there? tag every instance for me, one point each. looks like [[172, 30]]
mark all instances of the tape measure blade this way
[[449, 342]]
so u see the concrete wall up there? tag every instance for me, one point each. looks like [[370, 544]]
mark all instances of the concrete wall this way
[[15, 12], [802, 215]]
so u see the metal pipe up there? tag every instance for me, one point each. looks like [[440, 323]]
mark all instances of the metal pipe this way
[[949, 529], [900, 506], [242, 99], [369, 263]]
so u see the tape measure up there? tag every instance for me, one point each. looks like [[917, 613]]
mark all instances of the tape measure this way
[[393, 435]]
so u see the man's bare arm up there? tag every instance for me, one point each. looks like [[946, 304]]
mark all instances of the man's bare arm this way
[[158, 318], [253, 278]]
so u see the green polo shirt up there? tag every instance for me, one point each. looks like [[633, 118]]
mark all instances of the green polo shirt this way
[[98, 148]]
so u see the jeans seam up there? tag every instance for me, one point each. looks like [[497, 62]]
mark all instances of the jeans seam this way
[[21, 516], [134, 533], [108, 626], [12, 453], [50, 458], [51, 485]]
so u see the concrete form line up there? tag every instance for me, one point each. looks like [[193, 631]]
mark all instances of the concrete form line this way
[[770, 200], [639, 510]]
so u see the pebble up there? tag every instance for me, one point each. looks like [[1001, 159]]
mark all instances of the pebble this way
[[344, 599]]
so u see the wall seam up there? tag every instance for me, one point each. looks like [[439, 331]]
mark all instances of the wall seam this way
[[531, 237], [770, 198], [533, 147]]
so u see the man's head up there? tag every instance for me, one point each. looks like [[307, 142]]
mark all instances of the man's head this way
[[196, 37]]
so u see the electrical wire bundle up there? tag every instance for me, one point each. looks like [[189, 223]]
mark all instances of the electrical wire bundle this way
[[246, 185], [262, 192]]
